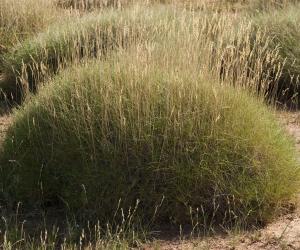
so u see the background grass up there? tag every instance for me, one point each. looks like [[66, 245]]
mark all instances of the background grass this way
[[93, 4], [283, 28], [249, 51], [92, 35], [169, 116], [23, 18], [236, 51]]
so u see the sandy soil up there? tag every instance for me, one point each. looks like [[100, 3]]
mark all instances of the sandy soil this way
[[282, 234]]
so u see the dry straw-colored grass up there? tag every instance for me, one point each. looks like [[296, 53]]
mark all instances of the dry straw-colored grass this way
[[93, 4], [23, 18], [131, 129], [235, 49], [170, 108]]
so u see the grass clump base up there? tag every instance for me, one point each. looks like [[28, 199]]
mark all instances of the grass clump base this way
[[106, 135]]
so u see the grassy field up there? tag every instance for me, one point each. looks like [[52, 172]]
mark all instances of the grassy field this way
[[130, 118]]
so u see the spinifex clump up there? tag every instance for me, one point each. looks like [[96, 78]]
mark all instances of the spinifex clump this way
[[23, 18], [30, 62], [242, 52], [92, 4], [94, 35], [126, 130], [283, 28]]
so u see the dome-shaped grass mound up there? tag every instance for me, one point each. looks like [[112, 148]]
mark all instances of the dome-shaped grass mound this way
[[115, 132], [32, 60], [93, 35], [20, 19]]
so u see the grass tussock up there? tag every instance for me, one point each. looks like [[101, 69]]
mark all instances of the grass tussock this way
[[91, 5], [224, 41], [24, 18], [283, 28], [126, 130], [94, 35], [147, 115], [253, 54]]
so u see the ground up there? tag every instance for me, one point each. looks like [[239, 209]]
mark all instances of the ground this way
[[284, 233]]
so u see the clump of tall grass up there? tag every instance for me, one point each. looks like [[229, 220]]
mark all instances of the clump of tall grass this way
[[259, 53], [92, 4], [283, 28], [95, 35], [20, 19], [236, 51], [245, 6], [241, 51], [104, 135], [92, 35]]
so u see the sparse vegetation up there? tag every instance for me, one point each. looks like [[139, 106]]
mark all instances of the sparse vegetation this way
[[132, 113]]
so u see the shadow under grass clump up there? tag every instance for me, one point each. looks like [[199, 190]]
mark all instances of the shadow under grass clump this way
[[105, 135]]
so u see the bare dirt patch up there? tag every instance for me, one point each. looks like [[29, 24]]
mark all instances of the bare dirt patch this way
[[282, 234]]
